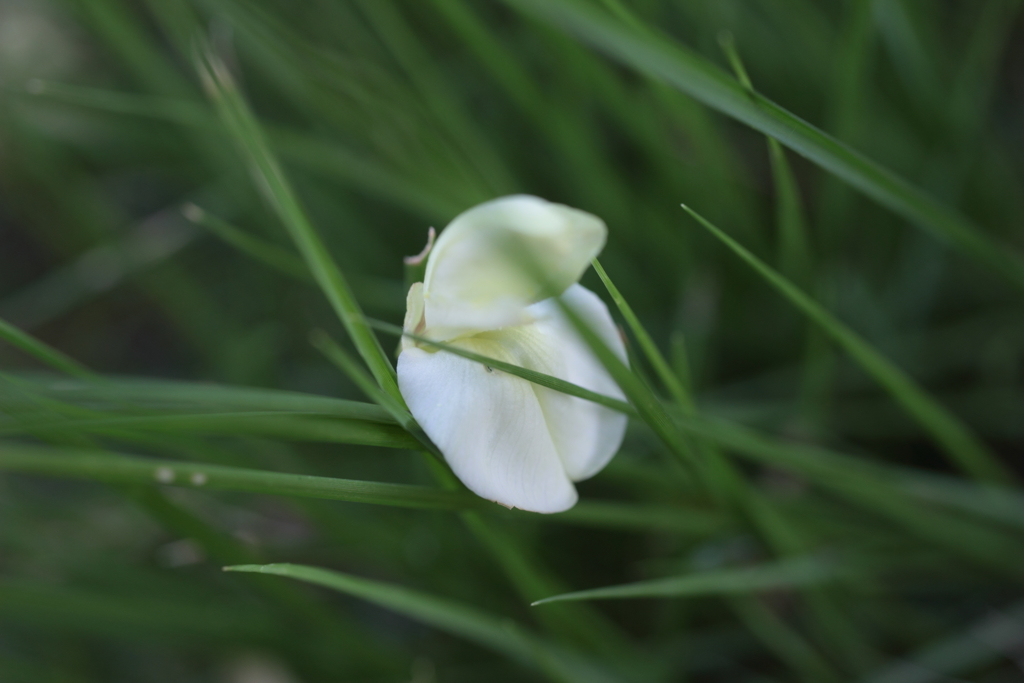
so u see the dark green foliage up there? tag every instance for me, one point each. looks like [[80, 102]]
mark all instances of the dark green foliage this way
[[821, 477]]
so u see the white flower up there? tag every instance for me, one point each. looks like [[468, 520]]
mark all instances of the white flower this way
[[507, 439]]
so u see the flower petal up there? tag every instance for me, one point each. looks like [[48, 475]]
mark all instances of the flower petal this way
[[488, 424], [586, 435], [413, 314], [472, 284]]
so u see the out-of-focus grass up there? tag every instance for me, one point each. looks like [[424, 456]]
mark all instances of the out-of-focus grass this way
[[155, 300]]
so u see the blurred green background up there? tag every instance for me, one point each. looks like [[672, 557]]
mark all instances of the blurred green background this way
[[392, 116]]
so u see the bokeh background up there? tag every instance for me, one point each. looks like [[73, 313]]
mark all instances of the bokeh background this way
[[134, 239]]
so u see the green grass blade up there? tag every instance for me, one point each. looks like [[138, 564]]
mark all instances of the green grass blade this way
[[730, 486], [244, 128], [658, 57], [650, 349], [43, 352], [880, 490], [297, 147], [120, 395], [396, 408], [269, 254], [288, 426], [963, 448], [494, 633], [120, 469], [794, 252], [337, 355], [527, 374], [766, 577], [432, 86]]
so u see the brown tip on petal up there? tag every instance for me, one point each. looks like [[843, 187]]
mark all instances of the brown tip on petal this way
[[418, 258]]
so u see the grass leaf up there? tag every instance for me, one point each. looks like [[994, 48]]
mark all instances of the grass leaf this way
[[462, 621], [246, 131], [766, 577], [121, 469], [660, 58], [43, 352], [963, 448]]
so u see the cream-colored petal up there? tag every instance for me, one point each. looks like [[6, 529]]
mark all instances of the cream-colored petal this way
[[413, 322], [473, 280], [586, 435], [489, 426]]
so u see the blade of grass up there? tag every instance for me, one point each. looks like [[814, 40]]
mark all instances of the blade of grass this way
[[245, 130], [299, 148], [794, 255], [260, 250], [43, 352], [120, 469], [794, 252], [650, 349], [956, 439], [515, 560], [319, 629], [498, 634], [872, 487], [404, 44], [656, 56], [290, 426], [527, 374], [123, 395], [765, 577], [395, 408]]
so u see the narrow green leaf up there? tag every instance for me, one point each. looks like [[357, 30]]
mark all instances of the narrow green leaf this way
[[794, 253], [290, 426], [269, 254], [244, 128], [647, 405], [396, 408], [878, 489], [501, 635], [529, 375], [963, 448], [121, 395], [654, 355], [297, 147], [765, 577], [45, 353], [656, 56], [121, 469]]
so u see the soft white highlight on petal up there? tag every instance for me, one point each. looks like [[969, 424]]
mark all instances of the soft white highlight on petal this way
[[489, 426], [474, 284]]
